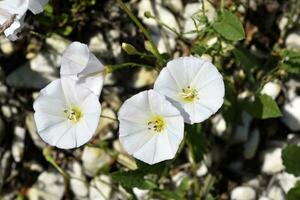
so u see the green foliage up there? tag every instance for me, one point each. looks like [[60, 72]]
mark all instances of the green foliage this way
[[245, 58], [291, 61], [130, 179], [263, 107], [290, 155], [294, 193], [229, 26], [136, 178], [196, 141]]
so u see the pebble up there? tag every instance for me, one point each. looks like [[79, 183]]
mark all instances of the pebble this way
[[293, 40], [218, 125], [243, 193], [272, 89], [93, 159], [276, 193], [78, 182], [242, 130], [250, 147], [49, 186], [100, 188], [31, 127], [272, 161], [18, 143]]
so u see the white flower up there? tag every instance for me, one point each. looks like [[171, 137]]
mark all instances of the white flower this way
[[66, 114], [194, 86], [12, 14], [151, 128], [81, 65]]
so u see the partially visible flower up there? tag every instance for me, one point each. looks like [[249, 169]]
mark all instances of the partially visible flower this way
[[194, 86], [12, 14], [151, 128], [66, 114], [79, 64]]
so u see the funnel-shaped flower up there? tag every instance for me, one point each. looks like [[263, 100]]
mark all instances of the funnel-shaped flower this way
[[82, 66], [12, 14], [194, 86], [151, 128], [66, 114]]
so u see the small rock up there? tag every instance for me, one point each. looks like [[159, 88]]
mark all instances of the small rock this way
[[243, 193], [78, 182], [272, 161], [100, 188], [179, 177], [218, 125], [31, 127], [145, 78], [202, 170], [49, 186], [251, 145], [18, 143], [93, 159], [291, 114], [6, 46], [98, 46], [272, 89], [141, 194], [25, 77], [4, 167], [175, 5], [194, 9], [286, 181], [293, 40], [276, 193], [57, 43], [242, 130], [6, 111]]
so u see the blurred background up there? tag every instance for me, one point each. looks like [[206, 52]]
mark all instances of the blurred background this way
[[238, 152]]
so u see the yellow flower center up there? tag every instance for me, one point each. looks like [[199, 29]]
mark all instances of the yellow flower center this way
[[73, 114], [156, 124], [189, 94]]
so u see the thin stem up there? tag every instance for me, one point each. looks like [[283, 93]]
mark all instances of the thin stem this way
[[222, 6], [112, 68], [143, 29], [194, 170]]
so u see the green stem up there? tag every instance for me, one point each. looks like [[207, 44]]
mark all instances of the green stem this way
[[143, 29], [112, 68], [194, 171], [222, 6]]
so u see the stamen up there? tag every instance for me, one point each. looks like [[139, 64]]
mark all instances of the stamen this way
[[189, 94], [73, 114], [156, 124]]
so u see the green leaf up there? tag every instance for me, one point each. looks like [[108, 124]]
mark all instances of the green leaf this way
[[196, 140], [263, 107], [245, 58], [170, 195], [290, 155], [294, 193], [229, 26], [130, 179], [145, 168], [290, 61]]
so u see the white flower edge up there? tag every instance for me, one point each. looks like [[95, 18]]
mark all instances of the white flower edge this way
[[194, 86], [55, 122], [9, 8], [151, 128], [83, 66]]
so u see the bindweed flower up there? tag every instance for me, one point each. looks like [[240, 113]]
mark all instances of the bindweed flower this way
[[66, 114], [151, 128], [79, 64], [194, 86], [12, 14]]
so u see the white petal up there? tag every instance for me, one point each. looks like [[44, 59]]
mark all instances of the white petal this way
[[54, 133], [68, 139], [75, 58], [135, 140], [83, 132], [44, 120], [37, 6], [159, 105], [145, 144], [93, 83], [147, 152], [198, 74], [18, 7], [136, 109], [12, 31]]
